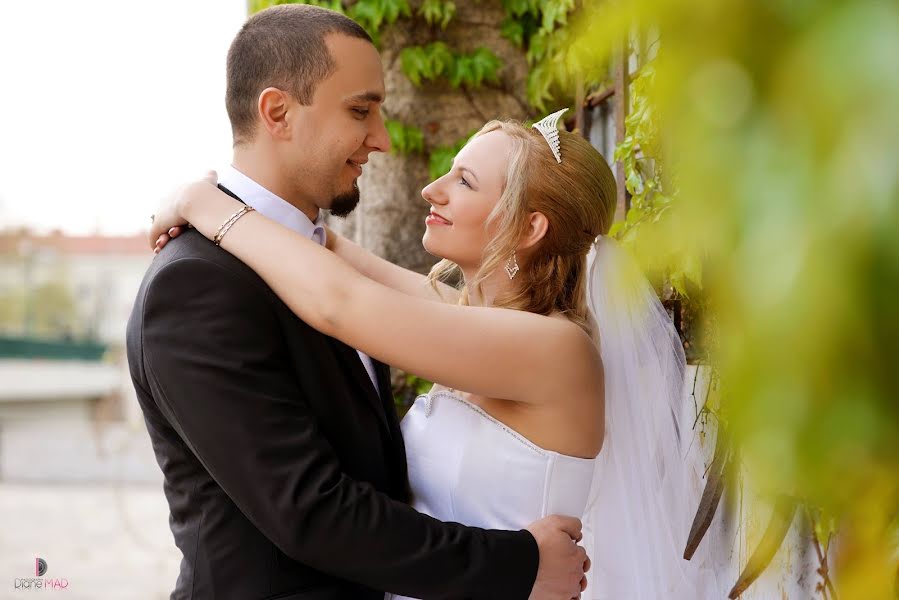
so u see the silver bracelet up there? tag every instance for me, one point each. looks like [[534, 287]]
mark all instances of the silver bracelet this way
[[217, 240]]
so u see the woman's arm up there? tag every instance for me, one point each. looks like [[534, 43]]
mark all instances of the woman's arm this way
[[369, 264], [387, 273], [492, 352]]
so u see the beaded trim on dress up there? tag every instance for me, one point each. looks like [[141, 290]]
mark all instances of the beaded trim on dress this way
[[429, 401]]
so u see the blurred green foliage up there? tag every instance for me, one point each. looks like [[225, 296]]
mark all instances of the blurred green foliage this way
[[441, 159], [406, 388], [404, 139], [538, 27], [437, 12], [434, 61], [779, 147], [371, 14]]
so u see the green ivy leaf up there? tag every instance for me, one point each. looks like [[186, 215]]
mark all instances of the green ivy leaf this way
[[634, 182], [678, 282], [539, 82], [396, 132], [421, 386], [517, 8], [371, 14], [441, 59], [537, 47], [554, 14], [394, 9], [459, 71], [440, 162], [334, 5], [404, 139], [437, 12], [429, 62], [634, 215], [415, 64], [625, 149], [486, 66], [441, 159], [615, 229], [513, 31], [420, 63]]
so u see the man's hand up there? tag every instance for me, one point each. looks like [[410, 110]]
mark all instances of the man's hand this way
[[560, 575]]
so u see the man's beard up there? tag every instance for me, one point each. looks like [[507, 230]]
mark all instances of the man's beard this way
[[343, 204]]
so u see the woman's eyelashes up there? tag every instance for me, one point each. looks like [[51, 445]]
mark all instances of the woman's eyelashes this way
[[462, 180]]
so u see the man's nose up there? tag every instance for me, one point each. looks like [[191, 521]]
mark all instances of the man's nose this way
[[378, 137]]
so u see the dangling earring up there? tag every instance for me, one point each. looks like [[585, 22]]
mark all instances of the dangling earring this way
[[512, 266]]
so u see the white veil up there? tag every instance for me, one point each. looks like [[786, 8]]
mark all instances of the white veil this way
[[643, 498]]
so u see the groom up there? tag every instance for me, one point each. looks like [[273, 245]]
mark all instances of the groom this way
[[282, 456]]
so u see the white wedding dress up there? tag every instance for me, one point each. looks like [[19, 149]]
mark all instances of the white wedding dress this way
[[466, 466]]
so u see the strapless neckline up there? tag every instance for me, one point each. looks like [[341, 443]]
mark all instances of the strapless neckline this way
[[447, 393]]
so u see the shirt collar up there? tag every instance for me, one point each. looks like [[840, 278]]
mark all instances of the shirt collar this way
[[271, 206]]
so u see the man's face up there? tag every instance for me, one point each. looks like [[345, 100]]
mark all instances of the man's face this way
[[343, 125]]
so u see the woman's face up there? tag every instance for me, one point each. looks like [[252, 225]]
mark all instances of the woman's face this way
[[462, 200]]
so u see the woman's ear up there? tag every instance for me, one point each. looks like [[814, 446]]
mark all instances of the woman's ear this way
[[538, 224], [272, 106]]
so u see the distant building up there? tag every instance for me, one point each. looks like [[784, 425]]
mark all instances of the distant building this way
[[67, 406], [101, 273]]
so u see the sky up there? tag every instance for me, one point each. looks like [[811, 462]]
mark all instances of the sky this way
[[107, 105]]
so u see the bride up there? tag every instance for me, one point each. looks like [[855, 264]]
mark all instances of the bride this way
[[558, 371]]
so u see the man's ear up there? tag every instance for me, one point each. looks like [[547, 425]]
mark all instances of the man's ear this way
[[272, 108], [538, 224]]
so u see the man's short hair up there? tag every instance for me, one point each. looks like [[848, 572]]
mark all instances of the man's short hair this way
[[283, 47]]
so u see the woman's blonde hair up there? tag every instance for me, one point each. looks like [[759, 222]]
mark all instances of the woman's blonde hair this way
[[577, 196]]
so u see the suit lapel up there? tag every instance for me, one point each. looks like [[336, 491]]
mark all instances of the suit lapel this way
[[381, 401], [385, 389], [385, 393], [353, 367], [230, 193]]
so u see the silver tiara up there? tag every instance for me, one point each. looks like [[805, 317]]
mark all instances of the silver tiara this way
[[549, 127]]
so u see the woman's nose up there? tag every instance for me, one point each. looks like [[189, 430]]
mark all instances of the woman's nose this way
[[433, 194]]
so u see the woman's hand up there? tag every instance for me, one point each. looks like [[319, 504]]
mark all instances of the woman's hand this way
[[166, 237], [168, 222]]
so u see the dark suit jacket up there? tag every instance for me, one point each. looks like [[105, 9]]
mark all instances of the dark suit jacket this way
[[284, 469]]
